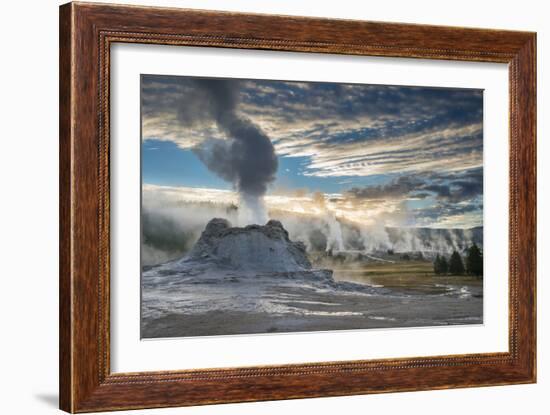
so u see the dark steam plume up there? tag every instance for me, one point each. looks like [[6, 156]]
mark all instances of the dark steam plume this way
[[247, 157]]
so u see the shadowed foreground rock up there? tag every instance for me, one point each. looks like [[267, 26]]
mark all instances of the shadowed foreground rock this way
[[255, 247]]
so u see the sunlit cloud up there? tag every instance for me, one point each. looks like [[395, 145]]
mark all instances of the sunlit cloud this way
[[391, 211], [345, 129], [427, 141]]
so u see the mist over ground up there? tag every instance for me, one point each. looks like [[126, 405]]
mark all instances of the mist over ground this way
[[172, 221]]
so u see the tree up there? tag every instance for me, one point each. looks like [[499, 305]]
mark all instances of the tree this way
[[456, 266], [440, 265], [437, 264], [444, 265], [474, 261]]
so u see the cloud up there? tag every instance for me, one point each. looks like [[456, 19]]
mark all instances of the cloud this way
[[174, 217], [448, 199], [428, 142], [451, 187], [397, 189], [343, 129], [246, 157], [457, 187], [448, 215], [243, 156]]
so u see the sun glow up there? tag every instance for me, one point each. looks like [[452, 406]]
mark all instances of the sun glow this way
[[367, 212]]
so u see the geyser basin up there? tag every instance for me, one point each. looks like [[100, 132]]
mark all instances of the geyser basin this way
[[254, 279]]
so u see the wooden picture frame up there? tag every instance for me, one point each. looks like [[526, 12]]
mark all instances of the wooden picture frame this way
[[86, 33]]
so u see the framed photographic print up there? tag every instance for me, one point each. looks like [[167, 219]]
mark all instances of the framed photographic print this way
[[261, 207]]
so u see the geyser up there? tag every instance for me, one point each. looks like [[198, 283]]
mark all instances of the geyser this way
[[246, 158], [254, 247]]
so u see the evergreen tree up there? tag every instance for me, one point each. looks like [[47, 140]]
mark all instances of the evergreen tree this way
[[474, 261], [437, 265], [444, 265], [440, 265], [456, 266]]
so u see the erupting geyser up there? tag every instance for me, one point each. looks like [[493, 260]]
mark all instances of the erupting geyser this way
[[246, 158]]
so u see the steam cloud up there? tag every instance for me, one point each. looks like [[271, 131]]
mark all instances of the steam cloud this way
[[246, 158], [171, 226]]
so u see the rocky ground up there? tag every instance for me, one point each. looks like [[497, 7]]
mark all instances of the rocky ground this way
[[255, 280]]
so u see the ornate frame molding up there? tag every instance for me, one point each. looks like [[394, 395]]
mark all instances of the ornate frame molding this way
[[86, 33]]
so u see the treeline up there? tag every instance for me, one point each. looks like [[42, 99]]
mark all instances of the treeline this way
[[472, 265]]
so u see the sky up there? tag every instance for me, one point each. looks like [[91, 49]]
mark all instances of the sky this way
[[406, 156]]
